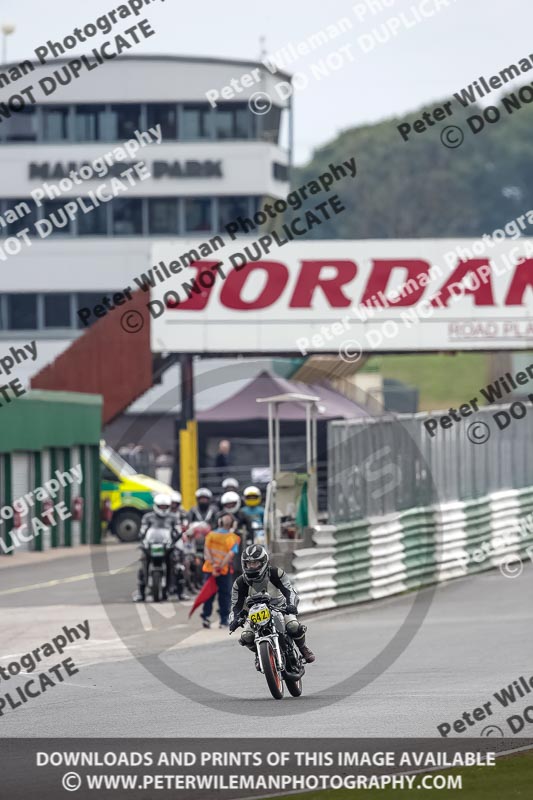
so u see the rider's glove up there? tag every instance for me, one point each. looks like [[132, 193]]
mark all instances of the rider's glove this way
[[290, 609], [234, 624]]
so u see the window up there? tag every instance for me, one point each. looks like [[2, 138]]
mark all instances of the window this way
[[107, 475], [232, 121], [127, 217], [22, 312], [229, 208], [164, 114], [87, 300], [57, 311], [61, 223], [89, 121], [196, 122], [269, 125], [21, 126], [163, 216], [125, 120], [280, 171], [93, 223], [55, 123], [244, 123], [25, 210], [198, 214]]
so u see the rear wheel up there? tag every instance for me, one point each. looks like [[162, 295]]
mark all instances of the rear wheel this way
[[273, 678], [294, 687], [156, 586], [126, 525]]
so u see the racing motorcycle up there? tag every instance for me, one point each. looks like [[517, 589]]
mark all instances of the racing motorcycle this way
[[279, 659], [156, 544]]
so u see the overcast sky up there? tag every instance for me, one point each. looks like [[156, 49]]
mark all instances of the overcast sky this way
[[427, 60]]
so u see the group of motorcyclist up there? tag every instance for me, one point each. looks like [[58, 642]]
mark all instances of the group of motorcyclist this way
[[187, 531], [219, 539]]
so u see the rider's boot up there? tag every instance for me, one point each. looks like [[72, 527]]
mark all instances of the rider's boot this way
[[308, 654]]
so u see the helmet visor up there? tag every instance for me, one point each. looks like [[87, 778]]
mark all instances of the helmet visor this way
[[252, 565]]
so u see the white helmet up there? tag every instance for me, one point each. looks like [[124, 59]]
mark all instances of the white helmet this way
[[162, 503], [176, 500], [203, 491], [230, 501], [230, 483]]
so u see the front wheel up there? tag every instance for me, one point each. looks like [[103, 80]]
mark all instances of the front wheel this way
[[273, 678], [156, 586], [294, 687]]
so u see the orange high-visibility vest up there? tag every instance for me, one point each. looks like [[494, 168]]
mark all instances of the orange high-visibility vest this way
[[219, 545]]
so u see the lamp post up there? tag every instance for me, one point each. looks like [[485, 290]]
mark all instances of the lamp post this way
[[7, 30]]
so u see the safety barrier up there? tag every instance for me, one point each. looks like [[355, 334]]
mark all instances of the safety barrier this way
[[382, 556]]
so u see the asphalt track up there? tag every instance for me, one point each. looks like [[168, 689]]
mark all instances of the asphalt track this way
[[474, 639]]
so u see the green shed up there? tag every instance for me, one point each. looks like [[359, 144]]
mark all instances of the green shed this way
[[49, 471]]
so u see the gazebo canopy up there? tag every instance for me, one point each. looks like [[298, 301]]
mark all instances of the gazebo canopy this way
[[243, 404]]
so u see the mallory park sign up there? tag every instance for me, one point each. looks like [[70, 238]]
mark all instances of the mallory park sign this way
[[46, 170]]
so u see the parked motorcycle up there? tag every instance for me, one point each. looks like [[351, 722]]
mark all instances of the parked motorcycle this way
[[279, 659], [157, 543]]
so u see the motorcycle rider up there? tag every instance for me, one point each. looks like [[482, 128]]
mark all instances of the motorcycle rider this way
[[160, 517], [231, 504], [228, 485], [182, 517], [259, 576], [252, 504], [179, 553], [205, 509]]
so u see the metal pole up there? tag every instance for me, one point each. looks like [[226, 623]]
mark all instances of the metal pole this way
[[271, 496], [291, 137], [308, 444], [314, 455], [277, 450], [271, 443], [187, 439], [187, 388]]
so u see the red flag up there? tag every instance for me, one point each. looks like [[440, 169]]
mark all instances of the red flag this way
[[208, 590]]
